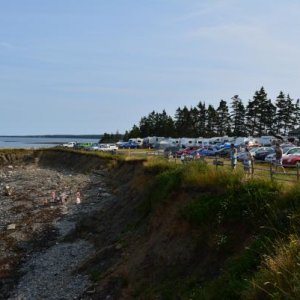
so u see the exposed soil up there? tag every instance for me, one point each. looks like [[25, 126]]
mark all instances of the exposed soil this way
[[106, 247]]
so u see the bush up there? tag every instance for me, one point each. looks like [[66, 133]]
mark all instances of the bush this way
[[202, 210]]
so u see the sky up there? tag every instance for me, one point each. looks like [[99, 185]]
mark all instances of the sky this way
[[95, 66]]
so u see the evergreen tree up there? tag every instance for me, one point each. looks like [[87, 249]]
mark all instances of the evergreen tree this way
[[157, 124], [183, 122], [269, 117], [164, 125], [194, 125], [212, 119], [279, 117], [297, 114], [223, 119], [134, 132], [238, 116], [288, 115], [202, 118], [257, 113]]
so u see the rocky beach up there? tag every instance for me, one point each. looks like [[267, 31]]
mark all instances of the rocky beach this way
[[39, 208]]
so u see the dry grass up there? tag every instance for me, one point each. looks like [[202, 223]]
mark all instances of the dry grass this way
[[279, 274]]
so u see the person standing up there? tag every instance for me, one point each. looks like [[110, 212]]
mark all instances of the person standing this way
[[278, 157], [248, 163], [182, 158], [233, 156]]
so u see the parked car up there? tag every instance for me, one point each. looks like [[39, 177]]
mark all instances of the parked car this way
[[286, 152], [291, 160], [262, 153], [94, 147], [130, 145], [207, 151], [107, 147], [224, 152], [69, 145], [188, 150], [83, 146]]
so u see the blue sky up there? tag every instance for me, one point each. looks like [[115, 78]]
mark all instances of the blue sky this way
[[94, 66]]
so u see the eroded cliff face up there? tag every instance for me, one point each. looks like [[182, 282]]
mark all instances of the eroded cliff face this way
[[114, 244], [8, 157]]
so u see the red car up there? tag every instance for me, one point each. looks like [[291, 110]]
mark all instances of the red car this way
[[187, 151], [291, 160]]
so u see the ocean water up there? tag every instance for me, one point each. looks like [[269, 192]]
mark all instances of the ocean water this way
[[38, 142]]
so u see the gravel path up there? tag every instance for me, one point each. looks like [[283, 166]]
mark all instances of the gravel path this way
[[49, 275]]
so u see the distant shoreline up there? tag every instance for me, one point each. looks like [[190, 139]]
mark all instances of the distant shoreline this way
[[81, 136]]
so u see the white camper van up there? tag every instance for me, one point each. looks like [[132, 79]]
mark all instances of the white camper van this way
[[187, 142], [199, 142], [169, 142], [153, 141], [266, 140], [139, 141]]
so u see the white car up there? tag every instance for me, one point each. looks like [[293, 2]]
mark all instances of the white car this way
[[94, 147], [107, 147], [69, 145]]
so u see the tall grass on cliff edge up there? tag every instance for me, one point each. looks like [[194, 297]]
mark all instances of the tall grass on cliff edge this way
[[279, 274], [253, 224], [271, 212], [201, 175], [157, 165]]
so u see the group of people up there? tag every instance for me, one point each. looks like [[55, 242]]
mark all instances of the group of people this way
[[248, 159]]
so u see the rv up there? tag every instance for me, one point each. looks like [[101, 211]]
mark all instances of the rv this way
[[169, 142], [239, 141], [138, 141], [187, 142], [152, 141], [199, 142], [267, 140]]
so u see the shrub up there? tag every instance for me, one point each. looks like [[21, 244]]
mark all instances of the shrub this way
[[202, 210]]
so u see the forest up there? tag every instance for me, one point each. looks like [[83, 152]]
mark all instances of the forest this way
[[260, 116]]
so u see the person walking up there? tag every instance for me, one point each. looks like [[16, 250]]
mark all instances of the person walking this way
[[233, 156], [278, 157]]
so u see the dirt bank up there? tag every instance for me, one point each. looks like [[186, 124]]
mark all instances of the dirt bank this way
[[110, 241]]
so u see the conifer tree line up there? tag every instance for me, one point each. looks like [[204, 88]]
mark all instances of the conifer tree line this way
[[259, 117]]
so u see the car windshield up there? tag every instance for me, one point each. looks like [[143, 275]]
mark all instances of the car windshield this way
[[293, 151], [286, 149]]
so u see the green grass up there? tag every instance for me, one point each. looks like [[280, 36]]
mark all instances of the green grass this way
[[279, 274], [266, 212]]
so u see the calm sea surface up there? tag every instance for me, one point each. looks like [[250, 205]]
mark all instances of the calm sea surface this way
[[38, 142]]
